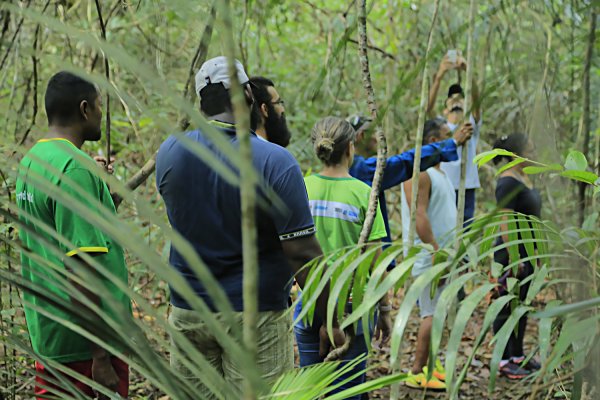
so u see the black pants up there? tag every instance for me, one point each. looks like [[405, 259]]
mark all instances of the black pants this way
[[514, 347]]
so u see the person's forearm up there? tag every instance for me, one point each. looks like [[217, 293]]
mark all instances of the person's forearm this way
[[321, 304], [97, 351], [385, 299], [476, 101], [424, 231], [433, 92]]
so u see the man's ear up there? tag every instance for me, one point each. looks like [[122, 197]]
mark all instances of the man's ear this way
[[264, 110], [84, 108]]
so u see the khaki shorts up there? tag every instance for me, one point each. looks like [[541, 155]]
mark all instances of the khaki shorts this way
[[275, 354], [426, 303]]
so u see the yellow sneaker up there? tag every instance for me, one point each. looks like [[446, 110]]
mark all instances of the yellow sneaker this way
[[419, 381], [439, 371]]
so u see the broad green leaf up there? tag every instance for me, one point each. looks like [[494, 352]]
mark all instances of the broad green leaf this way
[[509, 165], [463, 316], [581, 176], [410, 300], [532, 170], [446, 300], [539, 277], [489, 155], [526, 236], [576, 161], [567, 309], [490, 315]]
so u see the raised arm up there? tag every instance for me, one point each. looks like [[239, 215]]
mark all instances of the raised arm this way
[[445, 66], [399, 167], [476, 101]]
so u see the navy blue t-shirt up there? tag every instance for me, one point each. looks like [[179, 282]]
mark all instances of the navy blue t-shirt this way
[[205, 209]]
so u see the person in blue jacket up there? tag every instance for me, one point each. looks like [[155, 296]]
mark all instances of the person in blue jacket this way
[[398, 168]]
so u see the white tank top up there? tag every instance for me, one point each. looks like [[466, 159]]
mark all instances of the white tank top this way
[[442, 216]]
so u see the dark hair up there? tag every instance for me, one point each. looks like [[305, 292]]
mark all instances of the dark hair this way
[[432, 128], [214, 99], [455, 89], [515, 143], [64, 94], [259, 85], [331, 137]]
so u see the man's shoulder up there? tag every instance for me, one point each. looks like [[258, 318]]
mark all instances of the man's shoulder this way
[[56, 157], [271, 153]]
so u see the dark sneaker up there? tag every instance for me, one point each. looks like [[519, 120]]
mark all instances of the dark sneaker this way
[[513, 371], [532, 365]]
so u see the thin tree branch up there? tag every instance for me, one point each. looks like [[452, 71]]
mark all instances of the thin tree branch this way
[[586, 120], [199, 57], [419, 136], [363, 55], [377, 49], [107, 73], [12, 40], [381, 142], [35, 62], [463, 159], [5, 25]]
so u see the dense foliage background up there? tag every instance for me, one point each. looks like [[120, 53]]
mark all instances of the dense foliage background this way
[[531, 61]]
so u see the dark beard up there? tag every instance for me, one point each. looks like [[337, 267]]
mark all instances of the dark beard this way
[[277, 129], [456, 109]]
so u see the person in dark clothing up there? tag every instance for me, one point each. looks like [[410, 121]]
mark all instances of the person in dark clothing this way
[[515, 193]]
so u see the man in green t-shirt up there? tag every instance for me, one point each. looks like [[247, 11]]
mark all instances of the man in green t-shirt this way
[[58, 196]]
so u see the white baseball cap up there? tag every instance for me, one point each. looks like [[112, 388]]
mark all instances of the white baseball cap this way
[[215, 70]]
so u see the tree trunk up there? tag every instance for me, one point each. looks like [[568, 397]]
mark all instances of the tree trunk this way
[[381, 142], [463, 159], [107, 74], [199, 57], [586, 120]]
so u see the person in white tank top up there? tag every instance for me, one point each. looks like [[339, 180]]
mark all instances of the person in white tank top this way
[[435, 224]]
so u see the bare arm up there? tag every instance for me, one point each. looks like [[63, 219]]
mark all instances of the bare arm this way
[[423, 224], [299, 252], [476, 101], [102, 369], [445, 66]]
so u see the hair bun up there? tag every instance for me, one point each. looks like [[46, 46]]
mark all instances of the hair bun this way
[[324, 148]]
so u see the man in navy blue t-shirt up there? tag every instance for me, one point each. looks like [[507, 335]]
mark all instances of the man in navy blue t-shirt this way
[[204, 207]]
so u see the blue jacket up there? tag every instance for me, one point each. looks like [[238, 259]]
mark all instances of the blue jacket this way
[[398, 169]]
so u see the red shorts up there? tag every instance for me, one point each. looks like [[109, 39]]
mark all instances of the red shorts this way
[[84, 368]]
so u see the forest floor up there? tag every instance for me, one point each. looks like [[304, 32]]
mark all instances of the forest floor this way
[[475, 386]]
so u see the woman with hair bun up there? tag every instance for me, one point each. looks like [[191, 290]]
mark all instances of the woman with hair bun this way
[[515, 193], [339, 204]]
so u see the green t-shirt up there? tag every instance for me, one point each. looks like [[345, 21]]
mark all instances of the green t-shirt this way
[[58, 162], [339, 207]]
